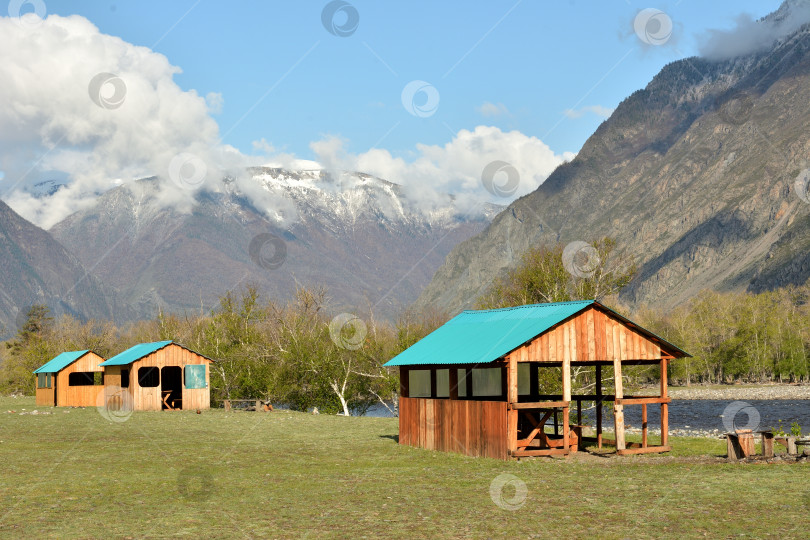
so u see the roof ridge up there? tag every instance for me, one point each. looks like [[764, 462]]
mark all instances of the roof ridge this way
[[540, 304]]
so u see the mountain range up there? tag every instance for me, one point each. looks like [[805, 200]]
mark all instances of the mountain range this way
[[353, 234], [701, 177], [36, 269]]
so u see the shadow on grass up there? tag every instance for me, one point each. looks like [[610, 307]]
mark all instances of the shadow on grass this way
[[394, 438]]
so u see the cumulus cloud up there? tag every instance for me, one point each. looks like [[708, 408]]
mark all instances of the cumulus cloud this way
[[93, 112], [749, 36], [490, 110], [598, 110], [457, 167], [101, 111]]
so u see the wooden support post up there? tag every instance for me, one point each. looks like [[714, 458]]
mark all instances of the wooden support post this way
[[433, 391], [505, 383], [566, 378], [618, 410], [227, 404], [404, 382], [511, 397], [598, 406], [644, 425], [579, 412], [664, 406], [566, 428], [566, 394], [534, 382], [453, 383]]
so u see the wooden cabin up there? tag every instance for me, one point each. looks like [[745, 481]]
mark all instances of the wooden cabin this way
[[474, 385], [157, 376], [71, 379]]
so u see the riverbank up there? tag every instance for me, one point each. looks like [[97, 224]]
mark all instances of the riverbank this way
[[741, 392]]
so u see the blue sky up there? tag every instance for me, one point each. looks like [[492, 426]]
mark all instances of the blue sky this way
[[284, 78], [426, 95]]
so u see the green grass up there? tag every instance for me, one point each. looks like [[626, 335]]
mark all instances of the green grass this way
[[282, 474]]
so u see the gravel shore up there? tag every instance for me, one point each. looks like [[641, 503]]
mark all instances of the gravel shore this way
[[775, 391]]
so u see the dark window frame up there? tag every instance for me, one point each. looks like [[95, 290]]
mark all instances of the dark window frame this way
[[81, 378], [43, 380], [148, 375]]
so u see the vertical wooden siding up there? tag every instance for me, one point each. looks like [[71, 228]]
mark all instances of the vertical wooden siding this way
[[115, 396], [79, 396], [150, 399], [591, 335], [473, 428], [45, 395]]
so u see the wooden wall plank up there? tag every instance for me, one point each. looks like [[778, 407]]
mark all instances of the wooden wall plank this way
[[78, 396], [474, 428]]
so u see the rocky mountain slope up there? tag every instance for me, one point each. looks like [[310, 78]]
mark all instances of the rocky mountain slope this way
[[36, 269], [701, 176], [352, 234]]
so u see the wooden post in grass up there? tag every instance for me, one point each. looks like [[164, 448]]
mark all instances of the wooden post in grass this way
[[599, 406], [618, 408], [664, 406], [511, 398], [644, 425]]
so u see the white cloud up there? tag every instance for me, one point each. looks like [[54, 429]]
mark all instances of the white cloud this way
[[489, 110], [59, 115], [456, 167], [750, 36], [52, 127], [598, 110], [215, 102]]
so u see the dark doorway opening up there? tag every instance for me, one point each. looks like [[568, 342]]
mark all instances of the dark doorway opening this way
[[171, 386]]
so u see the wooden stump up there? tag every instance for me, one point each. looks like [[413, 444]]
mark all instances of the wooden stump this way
[[740, 444], [791, 446], [767, 444]]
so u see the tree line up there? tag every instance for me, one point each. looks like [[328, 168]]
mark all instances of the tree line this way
[[302, 354], [738, 336], [296, 353]]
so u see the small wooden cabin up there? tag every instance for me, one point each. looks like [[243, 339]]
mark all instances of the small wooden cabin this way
[[474, 385], [71, 379], [157, 376]]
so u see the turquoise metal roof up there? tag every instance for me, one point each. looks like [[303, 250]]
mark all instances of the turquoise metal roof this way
[[135, 353], [60, 362], [476, 337]]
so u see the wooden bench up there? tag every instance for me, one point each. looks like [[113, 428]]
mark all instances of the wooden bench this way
[[260, 405]]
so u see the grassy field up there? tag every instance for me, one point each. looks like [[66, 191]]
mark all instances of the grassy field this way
[[73, 473]]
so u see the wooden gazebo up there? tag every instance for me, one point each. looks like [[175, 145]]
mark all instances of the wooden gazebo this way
[[473, 385]]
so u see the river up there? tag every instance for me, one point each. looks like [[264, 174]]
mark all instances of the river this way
[[705, 415]]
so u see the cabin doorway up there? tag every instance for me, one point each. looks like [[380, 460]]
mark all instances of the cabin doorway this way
[[171, 386]]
